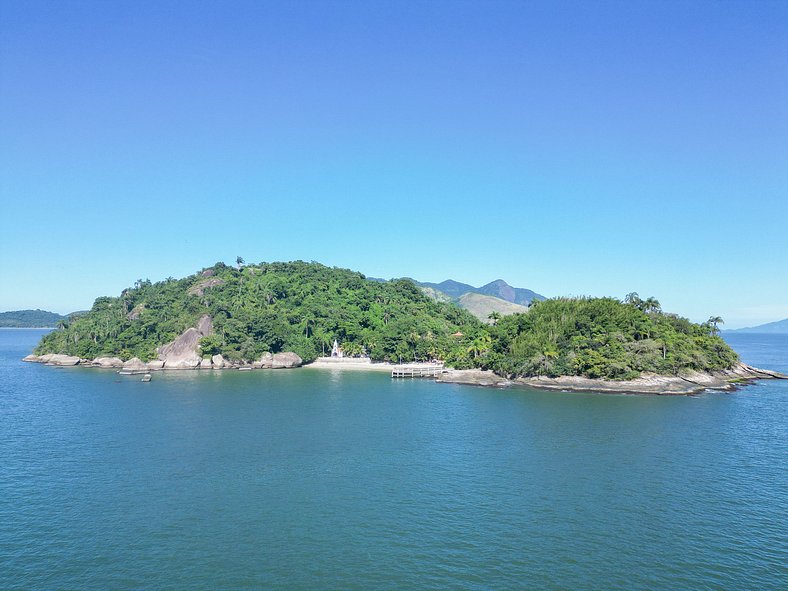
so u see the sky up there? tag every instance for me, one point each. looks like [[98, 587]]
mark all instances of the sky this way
[[572, 148]]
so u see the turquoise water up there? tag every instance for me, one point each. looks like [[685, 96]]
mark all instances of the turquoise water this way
[[307, 479]]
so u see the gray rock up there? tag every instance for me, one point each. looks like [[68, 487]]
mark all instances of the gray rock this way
[[218, 361], [155, 364], [184, 352], [134, 364], [63, 360], [265, 362], [286, 360], [135, 313], [206, 363], [32, 358], [199, 288], [107, 362]]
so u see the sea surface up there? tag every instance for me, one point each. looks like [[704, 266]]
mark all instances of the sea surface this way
[[313, 479]]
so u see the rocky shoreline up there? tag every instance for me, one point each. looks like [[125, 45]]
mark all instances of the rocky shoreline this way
[[182, 353], [686, 384], [689, 383], [285, 360]]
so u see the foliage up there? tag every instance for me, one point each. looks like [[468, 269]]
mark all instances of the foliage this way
[[298, 306], [303, 307], [604, 338]]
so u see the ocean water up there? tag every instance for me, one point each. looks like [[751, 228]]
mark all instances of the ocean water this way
[[309, 479]]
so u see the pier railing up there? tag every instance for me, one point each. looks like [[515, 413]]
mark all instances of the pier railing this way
[[417, 370]]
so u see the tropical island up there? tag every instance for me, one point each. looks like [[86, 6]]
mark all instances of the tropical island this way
[[286, 314], [30, 319]]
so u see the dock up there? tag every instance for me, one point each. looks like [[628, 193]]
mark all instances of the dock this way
[[417, 370]]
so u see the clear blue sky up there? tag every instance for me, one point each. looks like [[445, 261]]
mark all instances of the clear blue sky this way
[[572, 148]]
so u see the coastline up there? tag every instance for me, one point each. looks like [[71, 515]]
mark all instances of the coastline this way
[[660, 385], [684, 385]]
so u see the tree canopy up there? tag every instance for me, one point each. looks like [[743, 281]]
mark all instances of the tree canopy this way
[[271, 307], [603, 338], [303, 307]]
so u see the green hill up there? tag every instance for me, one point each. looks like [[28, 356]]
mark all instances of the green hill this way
[[30, 319], [297, 306], [603, 338]]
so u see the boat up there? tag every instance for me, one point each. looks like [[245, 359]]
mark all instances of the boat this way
[[146, 378]]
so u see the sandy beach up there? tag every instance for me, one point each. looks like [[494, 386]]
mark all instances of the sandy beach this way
[[349, 364]]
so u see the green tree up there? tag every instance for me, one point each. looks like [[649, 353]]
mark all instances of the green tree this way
[[713, 322]]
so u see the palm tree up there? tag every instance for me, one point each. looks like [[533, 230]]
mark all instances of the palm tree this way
[[239, 260], [652, 305], [547, 356], [480, 345], [713, 322], [633, 299], [495, 317]]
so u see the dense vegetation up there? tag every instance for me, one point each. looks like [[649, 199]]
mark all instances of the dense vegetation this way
[[603, 338], [303, 307], [30, 319], [300, 307]]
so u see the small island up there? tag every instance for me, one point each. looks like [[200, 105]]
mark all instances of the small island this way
[[282, 315]]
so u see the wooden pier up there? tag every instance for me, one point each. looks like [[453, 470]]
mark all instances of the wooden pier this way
[[417, 370]]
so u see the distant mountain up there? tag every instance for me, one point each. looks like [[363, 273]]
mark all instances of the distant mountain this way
[[517, 295], [481, 305], [498, 288], [453, 289], [496, 296], [29, 319], [779, 327]]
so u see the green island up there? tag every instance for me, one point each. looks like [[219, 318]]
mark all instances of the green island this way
[[30, 319], [298, 307]]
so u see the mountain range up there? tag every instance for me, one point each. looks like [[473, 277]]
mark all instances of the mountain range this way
[[498, 289], [496, 296], [778, 327]]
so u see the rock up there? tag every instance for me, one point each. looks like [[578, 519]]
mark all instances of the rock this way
[[46, 358], [265, 362], [286, 360], [63, 360], [205, 363], [205, 325], [135, 313], [32, 359], [135, 364], [183, 352], [107, 362], [199, 288], [155, 364], [218, 361], [208, 273]]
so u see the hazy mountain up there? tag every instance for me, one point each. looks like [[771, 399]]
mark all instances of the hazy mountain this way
[[496, 296], [453, 289], [517, 295], [481, 305], [498, 288], [778, 327], [29, 319]]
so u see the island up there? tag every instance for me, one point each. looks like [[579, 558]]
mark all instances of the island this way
[[286, 314]]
